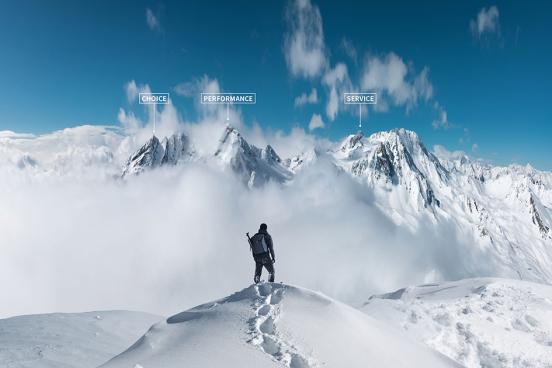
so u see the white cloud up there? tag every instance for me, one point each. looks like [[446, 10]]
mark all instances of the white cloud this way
[[148, 236], [152, 20], [390, 77], [144, 243], [316, 122], [337, 82], [128, 120], [196, 86], [311, 98], [14, 135], [134, 125], [444, 154], [304, 47], [133, 90], [442, 121], [396, 82], [486, 22], [206, 84]]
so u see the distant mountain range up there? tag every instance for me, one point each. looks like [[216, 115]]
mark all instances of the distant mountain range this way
[[505, 211]]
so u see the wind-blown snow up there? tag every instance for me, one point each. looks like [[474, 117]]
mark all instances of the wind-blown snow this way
[[69, 340], [274, 325], [477, 322]]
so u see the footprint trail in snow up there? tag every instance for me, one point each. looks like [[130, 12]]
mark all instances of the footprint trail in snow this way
[[264, 328]]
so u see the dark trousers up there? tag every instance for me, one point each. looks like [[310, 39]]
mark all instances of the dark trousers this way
[[261, 260]]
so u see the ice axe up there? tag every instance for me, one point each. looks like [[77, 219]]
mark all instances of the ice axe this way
[[249, 241]]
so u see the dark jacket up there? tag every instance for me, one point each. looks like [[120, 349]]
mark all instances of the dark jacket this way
[[262, 243]]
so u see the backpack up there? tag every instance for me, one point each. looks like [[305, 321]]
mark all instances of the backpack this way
[[258, 244]]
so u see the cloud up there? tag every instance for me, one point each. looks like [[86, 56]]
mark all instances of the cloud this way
[[152, 20], [337, 82], [142, 128], [316, 122], [397, 83], [392, 78], [442, 121], [475, 147], [87, 151], [156, 242], [206, 84], [196, 86], [14, 135], [465, 138], [304, 46], [486, 22], [445, 155], [133, 90], [303, 99], [349, 49]]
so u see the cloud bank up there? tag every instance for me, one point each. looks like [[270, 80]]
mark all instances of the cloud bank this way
[[75, 238]]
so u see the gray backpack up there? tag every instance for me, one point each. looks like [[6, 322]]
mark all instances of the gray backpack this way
[[258, 244]]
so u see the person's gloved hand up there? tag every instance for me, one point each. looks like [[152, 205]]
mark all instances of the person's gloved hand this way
[[273, 260]]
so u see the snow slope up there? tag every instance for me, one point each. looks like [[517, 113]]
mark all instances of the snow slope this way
[[482, 322], [275, 325], [503, 212], [69, 340]]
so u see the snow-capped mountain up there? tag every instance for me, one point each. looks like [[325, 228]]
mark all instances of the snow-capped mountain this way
[[477, 322], [506, 211], [275, 325], [503, 212], [255, 165], [395, 158], [153, 153]]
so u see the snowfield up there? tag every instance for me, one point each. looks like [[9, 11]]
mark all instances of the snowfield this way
[[482, 322], [473, 323], [275, 325], [69, 340]]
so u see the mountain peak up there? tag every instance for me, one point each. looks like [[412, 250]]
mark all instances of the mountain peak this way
[[251, 329], [147, 156], [352, 142], [256, 166], [154, 153]]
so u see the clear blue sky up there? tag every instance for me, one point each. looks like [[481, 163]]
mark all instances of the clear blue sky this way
[[64, 63]]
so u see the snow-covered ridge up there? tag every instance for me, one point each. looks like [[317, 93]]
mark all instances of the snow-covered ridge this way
[[275, 325], [172, 150], [69, 340], [477, 322], [256, 166]]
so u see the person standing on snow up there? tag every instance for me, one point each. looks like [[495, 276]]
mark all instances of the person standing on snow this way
[[263, 253]]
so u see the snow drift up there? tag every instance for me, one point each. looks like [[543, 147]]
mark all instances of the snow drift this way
[[480, 322], [69, 340], [274, 325]]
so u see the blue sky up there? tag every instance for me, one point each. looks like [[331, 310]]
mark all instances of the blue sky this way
[[486, 65]]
